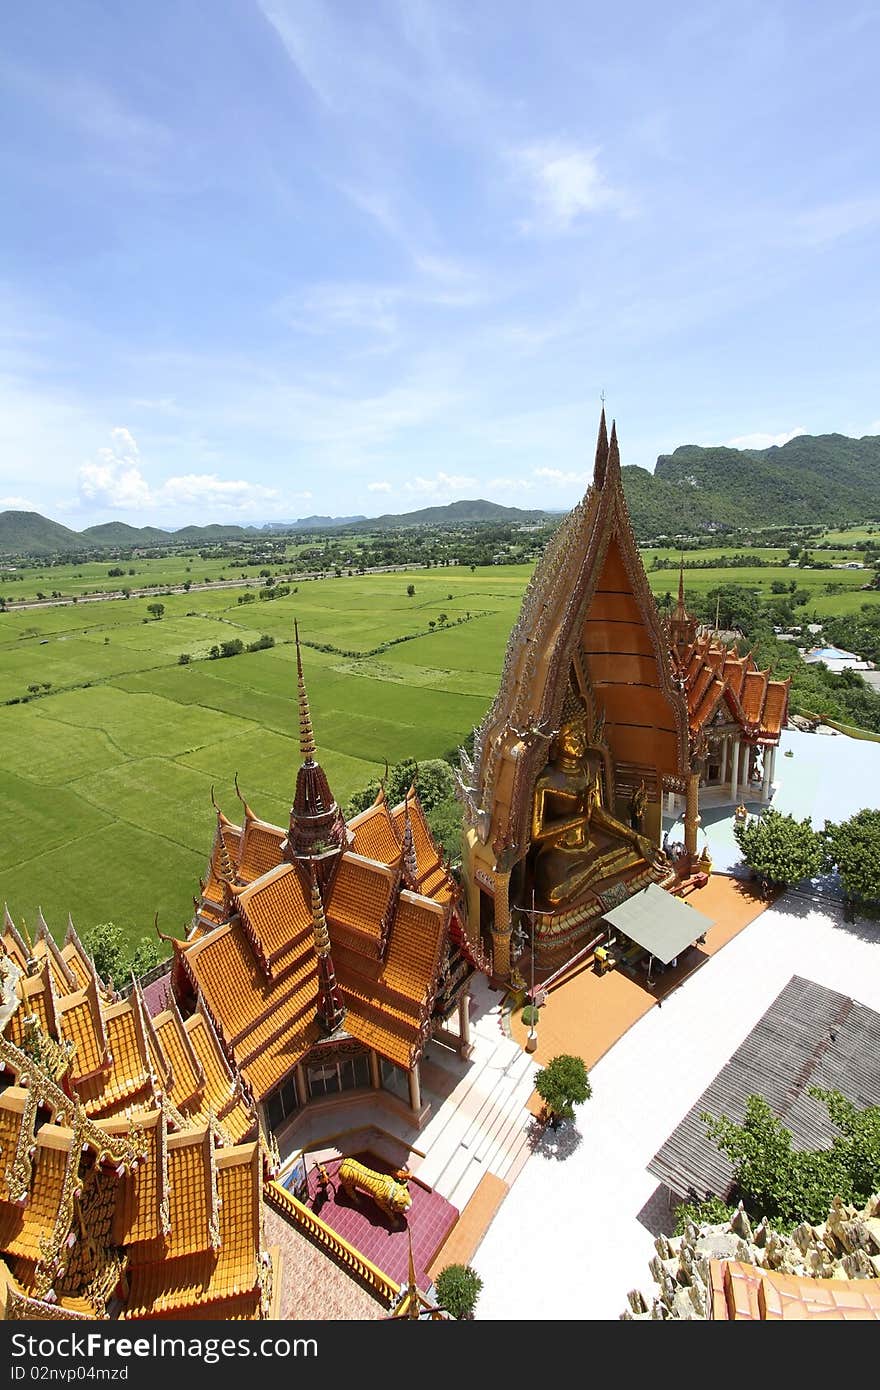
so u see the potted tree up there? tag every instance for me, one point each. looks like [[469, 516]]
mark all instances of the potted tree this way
[[458, 1288], [562, 1084]]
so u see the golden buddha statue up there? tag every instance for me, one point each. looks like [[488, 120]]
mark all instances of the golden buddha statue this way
[[577, 843]]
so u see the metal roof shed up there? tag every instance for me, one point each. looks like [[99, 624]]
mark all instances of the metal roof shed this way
[[663, 925]]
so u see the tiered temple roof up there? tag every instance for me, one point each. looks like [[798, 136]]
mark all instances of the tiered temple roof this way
[[257, 969], [130, 1161], [715, 677]]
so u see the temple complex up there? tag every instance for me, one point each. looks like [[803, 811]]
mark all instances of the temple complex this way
[[603, 711], [328, 954]]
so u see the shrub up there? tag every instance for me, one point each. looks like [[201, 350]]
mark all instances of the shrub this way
[[184, 659], [530, 1014], [458, 1288], [562, 1084]]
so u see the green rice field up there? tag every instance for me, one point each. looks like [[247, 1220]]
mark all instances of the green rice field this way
[[106, 770]]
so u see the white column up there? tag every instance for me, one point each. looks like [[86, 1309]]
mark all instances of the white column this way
[[670, 803], [773, 764], [765, 768], [734, 769], [725, 742], [415, 1090]]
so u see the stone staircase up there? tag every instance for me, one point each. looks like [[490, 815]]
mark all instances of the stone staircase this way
[[483, 1125]]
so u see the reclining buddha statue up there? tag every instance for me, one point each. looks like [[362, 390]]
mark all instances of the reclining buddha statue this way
[[577, 844]]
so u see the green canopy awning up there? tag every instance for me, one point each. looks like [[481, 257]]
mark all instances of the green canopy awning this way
[[663, 925]]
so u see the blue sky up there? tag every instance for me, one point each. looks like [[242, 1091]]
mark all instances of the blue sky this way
[[261, 259]]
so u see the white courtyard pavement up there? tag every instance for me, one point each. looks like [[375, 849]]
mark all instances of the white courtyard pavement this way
[[567, 1242]]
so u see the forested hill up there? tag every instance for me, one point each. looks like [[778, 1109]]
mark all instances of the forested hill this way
[[814, 479]]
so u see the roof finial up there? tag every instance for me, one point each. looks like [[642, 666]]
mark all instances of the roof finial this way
[[214, 799], [410, 863], [161, 935], [306, 735], [681, 582], [227, 871], [601, 450]]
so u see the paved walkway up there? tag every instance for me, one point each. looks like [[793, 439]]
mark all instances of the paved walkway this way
[[576, 1232]]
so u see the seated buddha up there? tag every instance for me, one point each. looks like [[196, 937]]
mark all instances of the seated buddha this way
[[577, 843]]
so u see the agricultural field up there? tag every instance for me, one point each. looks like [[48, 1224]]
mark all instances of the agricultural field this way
[[112, 746]]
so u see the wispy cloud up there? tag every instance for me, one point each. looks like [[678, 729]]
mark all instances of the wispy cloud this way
[[379, 487], [115, 481], [760, 440], [824, 225], [17, 504], [449, 486], [566, 186]]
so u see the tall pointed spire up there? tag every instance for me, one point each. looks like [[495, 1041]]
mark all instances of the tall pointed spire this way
[[307, 745], [601, 462], [681, 585], [317, 827], [612, 467], [330, 1008], [682, 627], [227, 868]]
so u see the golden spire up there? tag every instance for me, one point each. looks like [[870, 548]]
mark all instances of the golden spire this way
[[306, 735], [601, 449], [681, 584], [319, 921]]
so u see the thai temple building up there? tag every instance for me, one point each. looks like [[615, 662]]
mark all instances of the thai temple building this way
[[328, 954], [141, 1130], [603, 711]]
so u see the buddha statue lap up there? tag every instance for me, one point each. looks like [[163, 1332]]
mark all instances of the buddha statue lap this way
[[577, 844]]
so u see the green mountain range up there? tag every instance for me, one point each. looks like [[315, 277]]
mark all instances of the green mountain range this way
[[825, 479]]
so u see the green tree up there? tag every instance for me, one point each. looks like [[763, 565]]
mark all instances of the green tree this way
[[105, 943], [184, 659], [562, 1084], [410, 590], [458, 1288], [853, 848], [157, 610], [792, 1185], [780, 849]]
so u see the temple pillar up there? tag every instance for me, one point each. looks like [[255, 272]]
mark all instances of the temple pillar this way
[[299, 1081], [725, 744], [773, 752], [415, 1090], [734, 769], [692, 814], [464, 1022], [670, 803], [501, 928], [766, 763], [375, 1075]]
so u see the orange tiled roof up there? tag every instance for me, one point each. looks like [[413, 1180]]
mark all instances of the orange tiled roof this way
[[128, 1078], [203, 1276], [22, 1226], [744, 1293], [274, 909], [360, 896], [433, 880], [711, 670], [187, 1077], [260, 848], [375, 836], [38, 998], [142, 1192], [79, 1020]]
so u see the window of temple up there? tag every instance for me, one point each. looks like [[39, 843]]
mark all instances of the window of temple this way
[[349, 1074], [395, 1080], [281, 1104]]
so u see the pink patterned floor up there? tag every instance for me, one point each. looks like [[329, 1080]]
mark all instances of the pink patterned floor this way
[[369, 1230]]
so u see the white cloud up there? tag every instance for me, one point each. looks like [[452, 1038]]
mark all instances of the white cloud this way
[[558, 476], [378, 487], [442, 485], [115, 481], [763, 441], [17, 504], [566, 185], [509, 485]]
